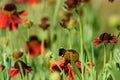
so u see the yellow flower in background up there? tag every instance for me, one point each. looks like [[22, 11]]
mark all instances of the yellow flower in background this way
[[3, 41], [114, 21], [55, 76]]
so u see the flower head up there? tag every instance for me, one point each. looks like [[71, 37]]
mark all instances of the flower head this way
[[111, 1], [68, 22], [9, 17], [28, 23], [71, 4], [66, 67], [30, 2], [64, 64], [2, 67], [44, 25], [69, 54], [34, 46], [105, 38], [17, 54], [19, 68]]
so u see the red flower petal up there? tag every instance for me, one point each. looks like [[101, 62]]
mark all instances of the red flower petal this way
[[78, 65], [19, 1], [13, 72], [114, 40], [96, 41], [29, 70], [70, 72], [35, 50], [31, 2], [3, 20], [18, 20], [26, 47], [54, 64], [13, 26], [23, 13], [106, 41]]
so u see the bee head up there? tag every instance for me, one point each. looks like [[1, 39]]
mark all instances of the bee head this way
[[61, 51]]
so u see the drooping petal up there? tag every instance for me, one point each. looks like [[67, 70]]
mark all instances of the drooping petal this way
[[19, 1], [35, 50], [78, 65], [29, 69], [54, 65], [105, 38], [3, 20], [23, 13], [114, 40], [26, 47], [13, 26], [31, 2], [16, 19], [70, 71], [13, 72], [96, 41]]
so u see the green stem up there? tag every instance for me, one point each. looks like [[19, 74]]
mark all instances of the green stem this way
[[58, 3], [28, 32], [42, 42], [92, 60], [3, 75], [70, 39], [9, 35], [28, 35], [55, 13], [21, 70], [81, 45], [44, 7], [105, 54]]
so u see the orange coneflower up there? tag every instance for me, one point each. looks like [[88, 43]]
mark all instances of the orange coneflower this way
[[9, 17], [16, 69], [34, 46], [105, 38]]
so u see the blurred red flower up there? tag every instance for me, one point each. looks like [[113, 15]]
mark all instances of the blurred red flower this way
[[66, 67], [30, 2], [34, 46], [111, 1], [44, 23], [9, 17], [105, 38], [71, 4], [14, 70]]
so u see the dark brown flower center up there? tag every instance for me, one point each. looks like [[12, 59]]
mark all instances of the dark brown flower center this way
[[70, 4], [21, 64], [105, 36], [10, 7], [33, 38]]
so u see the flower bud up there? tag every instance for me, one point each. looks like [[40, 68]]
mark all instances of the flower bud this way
[[2, 67], [28, 23], [17, 54]]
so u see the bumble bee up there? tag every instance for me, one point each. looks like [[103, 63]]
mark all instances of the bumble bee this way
[[69, 54]]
